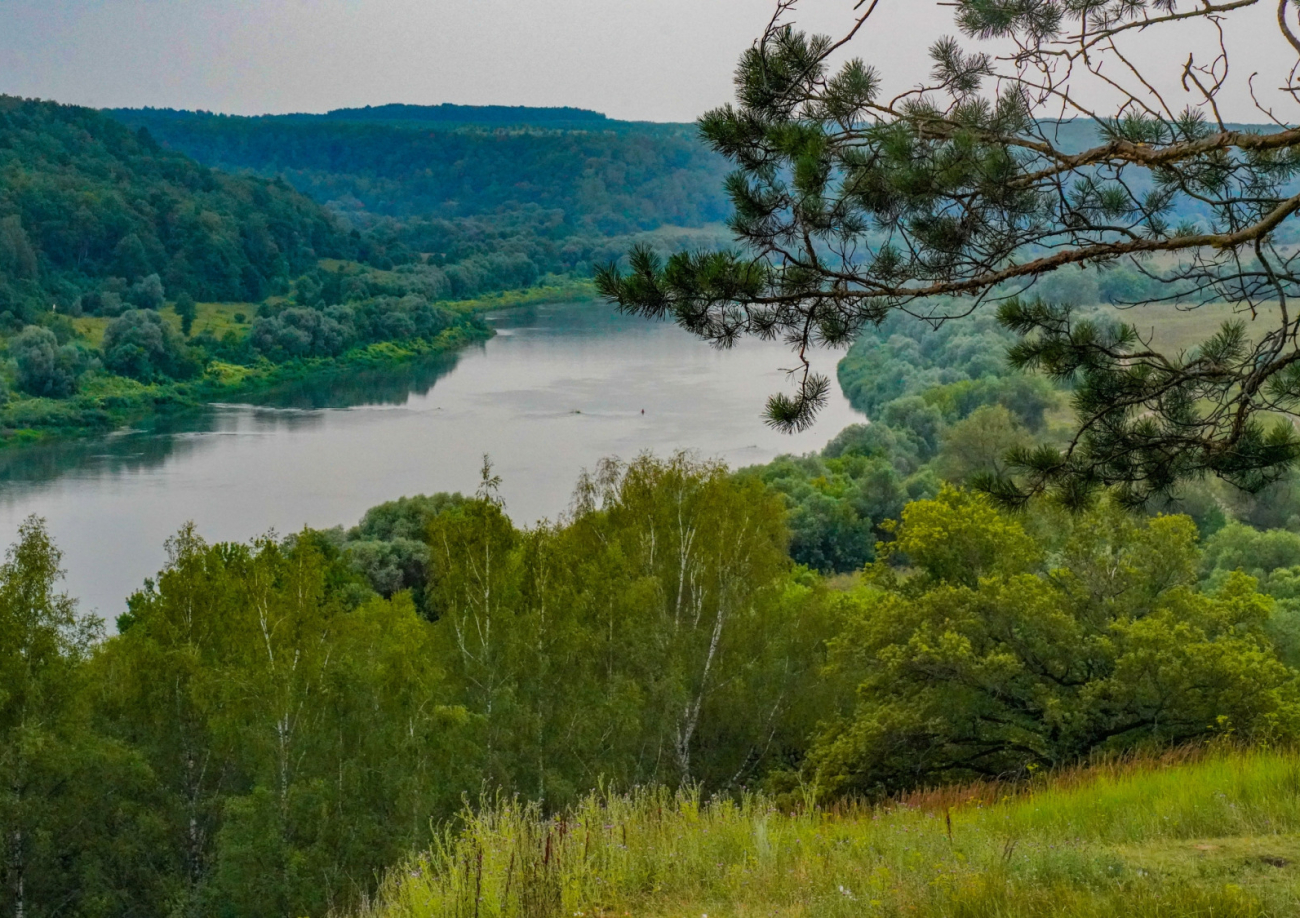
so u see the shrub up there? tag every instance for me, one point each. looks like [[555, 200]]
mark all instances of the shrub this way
[[44, 368], [141, 345]]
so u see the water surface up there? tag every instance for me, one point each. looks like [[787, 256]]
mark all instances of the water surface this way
[[555, 391]]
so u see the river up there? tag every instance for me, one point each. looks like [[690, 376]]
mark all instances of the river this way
[[557, 389]]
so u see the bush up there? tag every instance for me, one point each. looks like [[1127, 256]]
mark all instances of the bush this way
[[140, 344], [44, 368], [299, 332], [388, 547], [147, 294]]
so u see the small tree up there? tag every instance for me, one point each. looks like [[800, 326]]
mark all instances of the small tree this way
[[17, 257], [141, 345], [45, 369], [187, 310], [43, 643], [1046, 138]]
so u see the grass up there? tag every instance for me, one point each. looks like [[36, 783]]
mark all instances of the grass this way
[[219, 317], [1188, 835], [1171, 329]]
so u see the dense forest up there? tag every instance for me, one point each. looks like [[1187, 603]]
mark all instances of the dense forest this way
[[84, 200], [563, 189], [610, 176]]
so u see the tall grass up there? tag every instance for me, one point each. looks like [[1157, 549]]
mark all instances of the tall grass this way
[[1210, 837]]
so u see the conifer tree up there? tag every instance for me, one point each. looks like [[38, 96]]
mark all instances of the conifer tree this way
[[1048, 137]]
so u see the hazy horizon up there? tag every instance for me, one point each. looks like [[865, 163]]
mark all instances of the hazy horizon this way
[[667, 61]]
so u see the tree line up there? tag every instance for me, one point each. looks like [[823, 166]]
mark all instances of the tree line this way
[[277, 722]]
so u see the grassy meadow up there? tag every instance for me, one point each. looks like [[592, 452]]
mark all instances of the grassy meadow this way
[[1190, 834]]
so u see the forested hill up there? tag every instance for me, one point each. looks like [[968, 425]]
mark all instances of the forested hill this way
[[85, 199], [578, 167], [464, 114], [445, 114]]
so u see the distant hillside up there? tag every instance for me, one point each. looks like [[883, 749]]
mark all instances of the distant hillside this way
[[464, 115], [444, 114], [86, 201], [591, 173]]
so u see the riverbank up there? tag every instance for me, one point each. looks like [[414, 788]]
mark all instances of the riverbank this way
[[108, 402]]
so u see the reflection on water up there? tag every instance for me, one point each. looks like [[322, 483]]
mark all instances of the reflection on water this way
[[391, 386], [557, 389], [295, 406]]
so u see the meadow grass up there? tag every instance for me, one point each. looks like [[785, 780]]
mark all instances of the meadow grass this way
[[1191, 835], [218, 318]]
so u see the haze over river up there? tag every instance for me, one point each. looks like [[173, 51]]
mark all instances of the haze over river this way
[[556, 390]]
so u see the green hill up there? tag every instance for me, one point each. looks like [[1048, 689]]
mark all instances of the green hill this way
[[404, 161], [87, 204]]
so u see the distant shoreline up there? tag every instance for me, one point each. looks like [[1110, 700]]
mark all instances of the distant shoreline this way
[[30, 422]]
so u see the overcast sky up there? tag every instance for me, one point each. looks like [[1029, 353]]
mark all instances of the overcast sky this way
[[660, 60]]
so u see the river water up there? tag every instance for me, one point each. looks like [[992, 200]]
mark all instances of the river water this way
[[555, 391]]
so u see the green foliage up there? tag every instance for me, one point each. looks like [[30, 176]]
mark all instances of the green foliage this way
[[83, 200], [957, 368], [838, 501], [278, 723], [390, 545], [329, 330], [472, 208], [296, 738], [45, 369], [943, 405], [615, 180], [187, 309], [1001, 653], [655, 638], [1144, 427], [139, 344], [65, 844]]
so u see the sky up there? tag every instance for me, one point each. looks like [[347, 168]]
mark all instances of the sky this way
[[654, 60]]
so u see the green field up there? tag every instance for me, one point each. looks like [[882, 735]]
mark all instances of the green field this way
[[1170, 328], [1189, 835]]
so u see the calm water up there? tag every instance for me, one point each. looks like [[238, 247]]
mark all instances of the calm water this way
[[555, 391]]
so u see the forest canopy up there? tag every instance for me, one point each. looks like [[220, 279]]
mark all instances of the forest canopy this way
[[557, 191], [84, 199]]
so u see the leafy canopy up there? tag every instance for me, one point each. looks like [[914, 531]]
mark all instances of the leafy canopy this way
[[1001, 651]]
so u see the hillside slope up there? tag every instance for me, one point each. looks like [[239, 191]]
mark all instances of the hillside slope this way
[[403, 161], [87, 204]]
